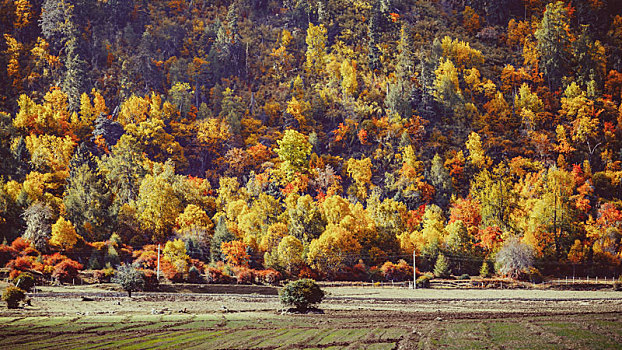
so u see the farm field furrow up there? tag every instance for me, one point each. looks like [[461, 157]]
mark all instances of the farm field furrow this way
[[383, 319]]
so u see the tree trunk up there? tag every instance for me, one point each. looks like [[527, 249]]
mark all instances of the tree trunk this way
[[129, 293]]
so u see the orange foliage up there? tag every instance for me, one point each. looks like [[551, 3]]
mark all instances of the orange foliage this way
[[466, 210], [613, 85], [470, 20], [397, 272], [66, 270], [235, 253], [20, 244], [414, 218], [170, 271], [490, 237]]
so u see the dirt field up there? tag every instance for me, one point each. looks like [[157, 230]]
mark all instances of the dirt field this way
[[354, 318]]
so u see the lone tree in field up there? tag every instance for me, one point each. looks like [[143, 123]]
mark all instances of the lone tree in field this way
[[130, 278], [514, 258], [301, 294]]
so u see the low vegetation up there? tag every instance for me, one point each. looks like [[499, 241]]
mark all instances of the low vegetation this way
[[13, 296], [130, 277], [301, 294]]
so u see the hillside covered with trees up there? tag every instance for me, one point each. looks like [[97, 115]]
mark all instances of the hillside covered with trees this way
[[326, 139]]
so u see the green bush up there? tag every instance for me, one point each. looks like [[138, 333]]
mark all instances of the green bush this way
[[12, 296], [423, 282], [464, 277], [130, 278], [24, 281], [301, 294], [485, 270], [441, 268], [617, 285]]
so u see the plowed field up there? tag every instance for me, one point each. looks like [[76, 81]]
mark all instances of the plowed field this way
[[354, 318]]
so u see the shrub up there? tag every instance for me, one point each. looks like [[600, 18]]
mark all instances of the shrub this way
[[423, 282], [147, 257], [104, 275], [25, 281], [269, 276], [215, 275], [66, 270], [194, 275], [6, 253], [484, 271], [244, 275], [397, 272], [151, 280], [535, 276], [617, 285], [20, 244], [514, 258], [12, 296], [54, 259], [307, 272], [301, 294], [464, 277], [19, 265], [441, 268], [171, 272], [130, 278]]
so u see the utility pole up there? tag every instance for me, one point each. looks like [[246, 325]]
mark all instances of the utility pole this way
[[414, 269], [158, 272]]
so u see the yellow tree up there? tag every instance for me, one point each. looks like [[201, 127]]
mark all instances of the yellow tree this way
[[194, 217], [157, 202], [273, 237], [51, 117], [175, 253], [348, 77], [13, 68], [49, 153], [360, 171], [530, 107], [446, 87], [316, 49], [477, 156], [334, 249], [551, 220], [64, 234], [290, 253], [293, 151]]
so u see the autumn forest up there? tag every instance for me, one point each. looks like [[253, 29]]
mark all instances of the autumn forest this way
[[256, 140]]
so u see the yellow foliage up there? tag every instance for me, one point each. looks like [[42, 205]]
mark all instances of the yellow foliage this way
[[316, 49], [63, 234], [175, 253], [477, 156], [22, 13], [289, 253], [333, 249], [461, 53], [194, 217], [49, 153], [348, 75], [273, 237]]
